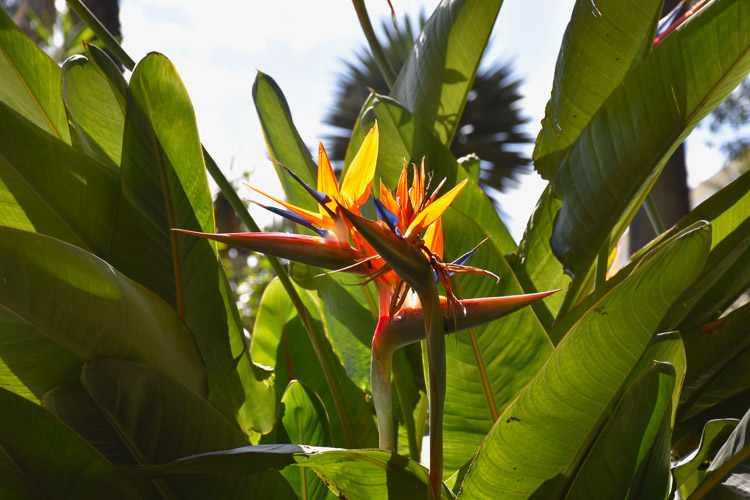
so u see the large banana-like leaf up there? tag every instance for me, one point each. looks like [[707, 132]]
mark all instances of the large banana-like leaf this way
[[639, 430], [534, 264], [729, 214], [51, 459], [306, 422], [97, 113], [279, 341], [487, 365], [436, 79], [164, 186], [628, 140], [61, 306], [48, 187], [718, 362], [126, 393], [540, 438], [30, 81], [602, 42], [284, 142]]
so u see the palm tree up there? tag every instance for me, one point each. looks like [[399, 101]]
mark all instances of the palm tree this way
[[496, 136]]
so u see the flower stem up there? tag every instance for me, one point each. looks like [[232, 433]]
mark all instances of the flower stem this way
[[434, 329]]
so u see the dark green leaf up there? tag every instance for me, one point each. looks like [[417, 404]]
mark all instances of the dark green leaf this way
[[126, 393], [63, 306], [639, 425], [53, 459], [718, 357], [727, 477]]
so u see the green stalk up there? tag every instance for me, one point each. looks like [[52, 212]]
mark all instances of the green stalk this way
[[653, 214], [380, 379], [101, 32], [316, 336], [377, 50]]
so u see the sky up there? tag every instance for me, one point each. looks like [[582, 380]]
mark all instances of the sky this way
[[218, 47]]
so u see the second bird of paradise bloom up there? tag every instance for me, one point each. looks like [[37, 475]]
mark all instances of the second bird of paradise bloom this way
[[396, 252]]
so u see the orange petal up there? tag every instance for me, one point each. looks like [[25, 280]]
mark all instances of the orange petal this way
[[319, 220], [327, 182], [387, 199], [432, 212], [358, 178], [433, 238]]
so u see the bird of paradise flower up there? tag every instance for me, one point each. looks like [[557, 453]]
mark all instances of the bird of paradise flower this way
[[401, 252]]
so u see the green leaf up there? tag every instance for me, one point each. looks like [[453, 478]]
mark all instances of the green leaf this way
[[280, 341], [639, 425], [729, 213], [96, 117], [538, 442], [12, 481], [661, 100], [48, 187], [602, 42], [534, 264], [306, 422], [126, 393], [30, 81], [718, 357], [53, 459], [164, 186], [726, 478], [436, 78], [489, 364], [107, 68], [284, 143], [715, 433], [62, 306]]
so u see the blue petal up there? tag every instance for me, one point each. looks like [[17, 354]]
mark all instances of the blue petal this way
[[321, 198], [386, 216], [296, 218]]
